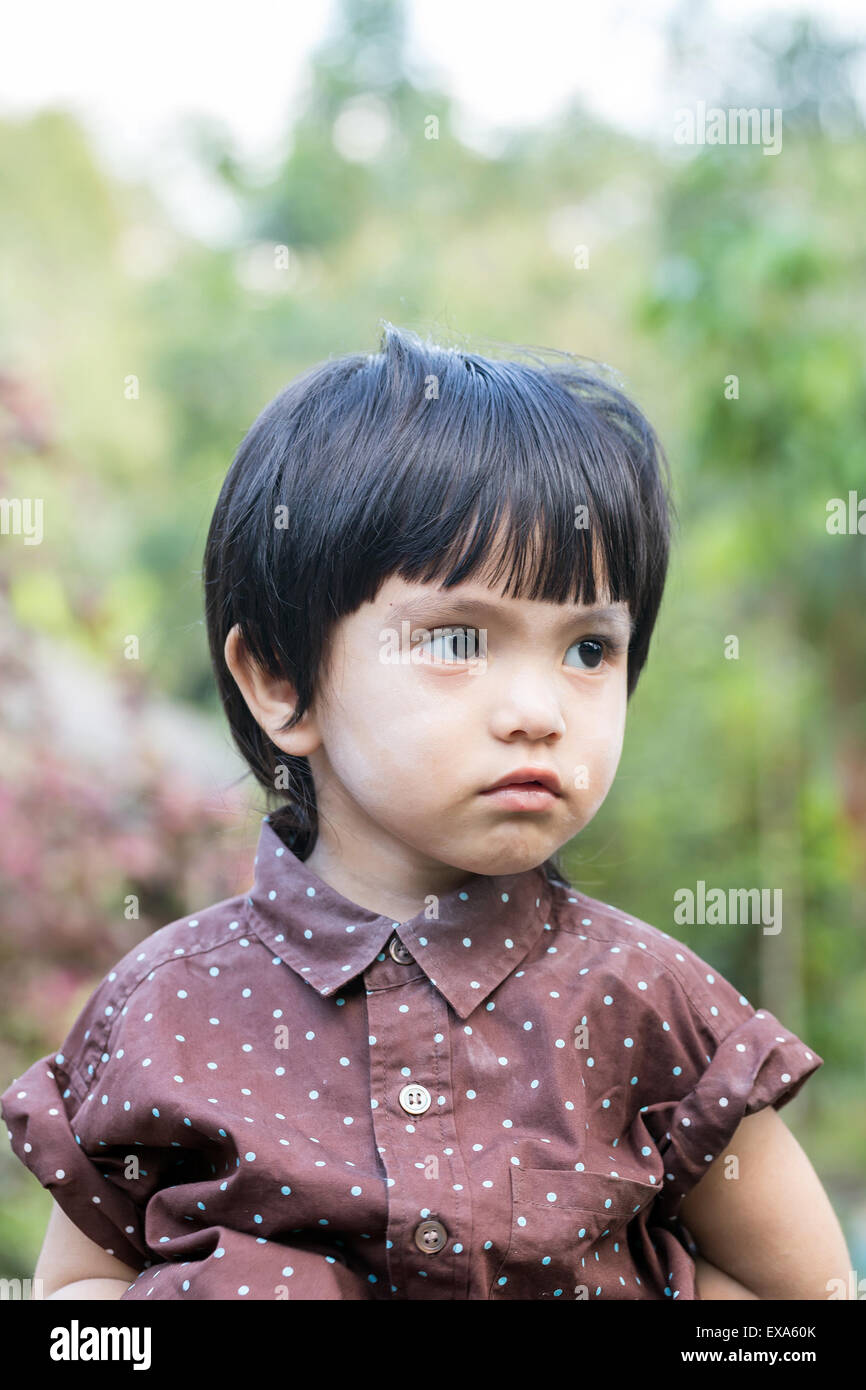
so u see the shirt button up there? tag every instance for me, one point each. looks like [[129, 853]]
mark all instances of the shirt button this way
[[399, 952], [430, 1236], [415, 1099]]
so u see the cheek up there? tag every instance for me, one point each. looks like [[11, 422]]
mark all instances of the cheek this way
[[599, 747], [382, 731], [605, 769]]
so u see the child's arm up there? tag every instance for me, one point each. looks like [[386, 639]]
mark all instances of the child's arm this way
[[772, 1227], [70, 1258], [712, 1283], [90, 1289]]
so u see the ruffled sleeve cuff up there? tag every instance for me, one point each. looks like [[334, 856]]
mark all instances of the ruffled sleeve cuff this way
[[39, 1108], [759, 1063]]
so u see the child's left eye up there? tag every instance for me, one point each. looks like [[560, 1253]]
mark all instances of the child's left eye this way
[[595, 656]]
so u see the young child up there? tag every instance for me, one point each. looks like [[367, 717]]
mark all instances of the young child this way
[[413, 1061]]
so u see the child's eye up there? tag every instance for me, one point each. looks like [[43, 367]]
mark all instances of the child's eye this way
[[593, 653], [455, 646]]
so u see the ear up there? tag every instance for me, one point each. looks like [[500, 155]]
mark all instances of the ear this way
[[271, 700]]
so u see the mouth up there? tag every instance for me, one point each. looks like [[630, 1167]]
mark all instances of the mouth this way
[[522, 796], [537, 778], [525, 789]]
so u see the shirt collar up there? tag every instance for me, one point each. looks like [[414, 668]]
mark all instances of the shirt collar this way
[[481, 933]]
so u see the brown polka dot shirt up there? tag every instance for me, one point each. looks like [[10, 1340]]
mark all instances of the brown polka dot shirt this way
[[506, 1097]]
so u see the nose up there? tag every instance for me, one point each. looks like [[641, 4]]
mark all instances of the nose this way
[[529, 707]]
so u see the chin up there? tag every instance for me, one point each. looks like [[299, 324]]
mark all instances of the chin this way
[[507, 859]]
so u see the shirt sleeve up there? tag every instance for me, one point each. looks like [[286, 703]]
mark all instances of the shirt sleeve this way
[[721, 1060], [56, 1121], [116, 1156]]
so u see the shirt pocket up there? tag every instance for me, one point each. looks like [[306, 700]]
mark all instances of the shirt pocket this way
[[560, 1220]]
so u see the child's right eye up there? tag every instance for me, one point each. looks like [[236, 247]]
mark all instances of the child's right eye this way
[[455, 646]]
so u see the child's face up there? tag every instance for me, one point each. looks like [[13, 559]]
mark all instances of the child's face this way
[[402, 750]]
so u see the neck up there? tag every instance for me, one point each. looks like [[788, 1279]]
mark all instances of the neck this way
[[382, 883]]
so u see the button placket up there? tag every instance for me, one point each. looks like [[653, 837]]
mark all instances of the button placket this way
[[426, 1214]]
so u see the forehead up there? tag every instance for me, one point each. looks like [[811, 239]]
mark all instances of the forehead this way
[[399, 598]]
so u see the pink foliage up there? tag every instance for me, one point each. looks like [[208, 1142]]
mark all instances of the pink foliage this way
[[77, 856]]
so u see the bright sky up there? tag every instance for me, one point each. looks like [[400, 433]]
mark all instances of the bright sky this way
[[132, 74]]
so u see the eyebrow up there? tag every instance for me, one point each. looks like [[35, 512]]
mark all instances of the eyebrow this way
[[425, 607]]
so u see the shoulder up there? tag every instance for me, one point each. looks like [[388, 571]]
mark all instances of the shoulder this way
[[650, 963], [169, 949], [160, 964]]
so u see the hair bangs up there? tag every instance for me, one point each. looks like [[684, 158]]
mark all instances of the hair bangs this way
[[522, 491]]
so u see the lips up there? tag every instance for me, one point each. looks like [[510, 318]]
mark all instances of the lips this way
[[529, 776]]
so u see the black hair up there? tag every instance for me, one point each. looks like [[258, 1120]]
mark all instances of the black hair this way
[[379, 465]]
